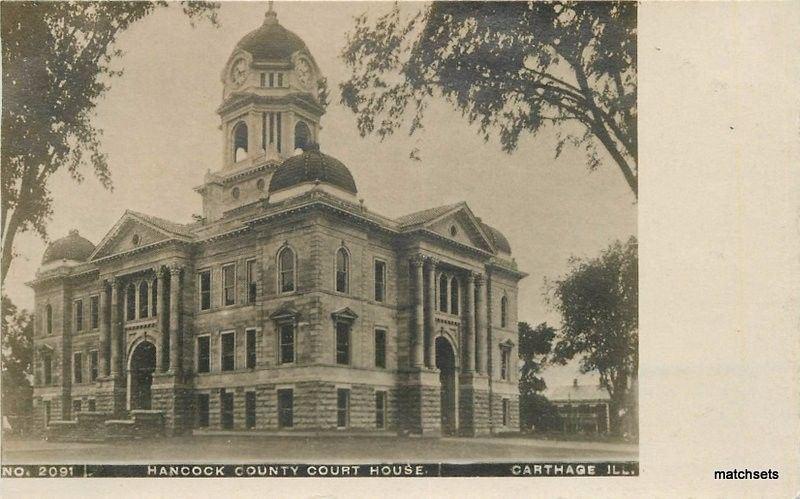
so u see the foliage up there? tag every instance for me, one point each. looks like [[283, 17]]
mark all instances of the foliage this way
[[598, 302], [534, 345], [57, 63], [17, 355], [538, 413], [509, 67]]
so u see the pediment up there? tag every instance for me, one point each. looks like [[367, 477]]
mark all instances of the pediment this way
[[462, 227], [132, 232], [345, 314]]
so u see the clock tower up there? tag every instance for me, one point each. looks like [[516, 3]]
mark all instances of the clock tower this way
[[270, 111]]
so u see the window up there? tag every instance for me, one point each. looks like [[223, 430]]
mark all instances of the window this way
[[205, 289], [47, 367], [46, 412], [342, 343], [263, 79], [144, 294], [202, 410], [286, 343], [302, 136], [454, 296], [443, 281], [380, 410], [79, 315], [380, 348], [250, 410], [48, 319], [342, 270], [154, 295], [94, 312], [250, 347], [380, 280], [286, 270], [76, 406], [93, 361], [239, 142], [130, 302], [280, 79], [77, 367], [342, 407], [506, 411], [505, 362], [235, 192], [503, 311], [251, 281], [203, 354], [228, 351], [229, 284], [272, 79], [92, 405], [226, 409], [285, 408], [278, 131]]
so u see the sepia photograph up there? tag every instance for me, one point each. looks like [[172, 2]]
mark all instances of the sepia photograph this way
[[319, 239]]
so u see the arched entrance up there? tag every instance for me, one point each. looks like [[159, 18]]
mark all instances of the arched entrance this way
[[140, 375], [446, 363]]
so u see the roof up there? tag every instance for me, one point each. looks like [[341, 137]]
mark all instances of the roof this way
[[164, 224], [271, 41], [577, 393], [312, 166], [497, 237], [71, 247], [425, 216]]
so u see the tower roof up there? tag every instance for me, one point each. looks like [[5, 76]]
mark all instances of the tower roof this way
[[71, 247], [271, 41], [312, 166]]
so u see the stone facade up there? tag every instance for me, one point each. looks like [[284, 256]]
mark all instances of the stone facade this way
[[291, 305]]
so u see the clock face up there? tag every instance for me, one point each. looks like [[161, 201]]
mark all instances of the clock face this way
[[303, 70], [239, 72]]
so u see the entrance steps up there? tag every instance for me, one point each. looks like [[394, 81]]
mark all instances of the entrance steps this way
[[99, 426]]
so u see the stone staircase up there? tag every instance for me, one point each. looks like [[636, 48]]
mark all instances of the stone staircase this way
[[101, 427]]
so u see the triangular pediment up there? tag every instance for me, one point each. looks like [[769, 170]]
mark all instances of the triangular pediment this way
[[131, 232], [461, 226]]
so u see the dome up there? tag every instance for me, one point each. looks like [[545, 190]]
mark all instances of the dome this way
[[271, 41], [311, 166], [497, 238], [72, 247]]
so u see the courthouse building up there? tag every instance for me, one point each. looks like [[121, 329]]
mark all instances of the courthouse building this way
[[290, 305]]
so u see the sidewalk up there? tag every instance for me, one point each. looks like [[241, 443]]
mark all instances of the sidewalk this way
[[632, 449]]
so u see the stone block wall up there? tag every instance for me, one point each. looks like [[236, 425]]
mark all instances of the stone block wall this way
[[497, 413]]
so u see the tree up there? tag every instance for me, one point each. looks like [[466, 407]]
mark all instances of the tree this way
[[17, 355], [57, 63], [509, 67], [534, 344], [598, 302]]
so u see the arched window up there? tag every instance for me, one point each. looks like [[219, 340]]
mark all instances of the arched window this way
[[130, 302], [240, 141], [342, 270], [286, 269], [454, 295], [503, 311], [48, 319], [144, 294], [154, 293], [443, 280], [302, 135]]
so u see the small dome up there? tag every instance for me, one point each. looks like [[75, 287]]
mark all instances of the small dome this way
[[72, 247], [497, 238], [311, 166], [271, 41]]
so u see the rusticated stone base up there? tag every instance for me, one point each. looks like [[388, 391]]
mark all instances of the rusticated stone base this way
[[473, 405], [420, 398]]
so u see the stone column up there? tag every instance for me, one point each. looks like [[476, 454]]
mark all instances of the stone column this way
[[469, 315], [105, 331], [480, 319], [116, 326], [416, 353], [161, 318], [174, 317], [430, 361]]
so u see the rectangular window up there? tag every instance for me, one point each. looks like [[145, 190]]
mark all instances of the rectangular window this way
[[94, 312], [92, 405], [79, 315], [228, 351], [380, 280], [342, 407], [280, 79], [77, 367], [250, 410], [226, 409], [263, 79], [47, 367], [272, 80], [287, 343], [380, 410], [46, 412], [505, 360], [76, 407], [229, 284], [93, 361], [506, 409], [205, 289], [251, 281], [250, 347], [278, 130], [203, 354], [285, 408], [202, 410], [263, 128], [271, 128], [380, 348], [342, 343]]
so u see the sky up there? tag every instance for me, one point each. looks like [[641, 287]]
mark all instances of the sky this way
[[162, 134]]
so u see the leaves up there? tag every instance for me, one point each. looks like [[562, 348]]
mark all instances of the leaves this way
[[17, 355], [510, 68], [534, 345]]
